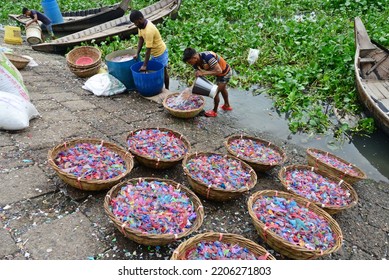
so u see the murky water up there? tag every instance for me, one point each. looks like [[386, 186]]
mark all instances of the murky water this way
[[256, 113]]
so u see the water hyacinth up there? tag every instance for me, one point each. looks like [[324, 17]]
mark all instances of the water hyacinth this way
[[253, 150], [336, 163], [91, 162], [157, 144], [217, 250], [154, 207], [297, 225], [219, 171], [318, 188], [176, 102]]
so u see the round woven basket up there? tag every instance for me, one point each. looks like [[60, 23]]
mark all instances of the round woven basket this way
[[85, 73], [257, 165], [90, 185], [83, 51], [191, 243], [184, 114], [212, 192], [316, 162], [287, 248], [17, 60], [147, 238], [158, 163], [331, 209]]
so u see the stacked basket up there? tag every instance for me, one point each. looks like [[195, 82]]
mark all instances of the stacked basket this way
[[84, 61]]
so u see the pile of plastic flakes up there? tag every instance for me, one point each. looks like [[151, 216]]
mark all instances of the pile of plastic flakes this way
[[295, 224], [317, 188], [184, 104], [336, 163], [217, 250], [157, 144], [154, 207], [91, 162], [219, 171], [255, 151]]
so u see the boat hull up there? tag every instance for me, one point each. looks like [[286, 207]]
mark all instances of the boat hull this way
[[371, 64]]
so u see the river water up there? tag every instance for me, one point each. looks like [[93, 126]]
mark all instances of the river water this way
[[257, 113]]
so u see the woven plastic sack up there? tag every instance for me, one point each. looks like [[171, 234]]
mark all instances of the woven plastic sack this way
[[10, 78], [15, 111], [104, 84]]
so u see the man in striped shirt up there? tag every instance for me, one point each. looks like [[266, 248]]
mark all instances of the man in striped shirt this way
[[210, 63]]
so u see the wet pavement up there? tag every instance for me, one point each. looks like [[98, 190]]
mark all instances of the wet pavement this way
[[42, 218]]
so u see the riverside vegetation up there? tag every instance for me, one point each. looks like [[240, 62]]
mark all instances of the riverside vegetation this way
[[306, 50]]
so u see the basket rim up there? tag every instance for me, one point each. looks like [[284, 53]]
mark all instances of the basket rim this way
[[341, 183], [198, 207], [214, 236], [362, 174], [16, 58], [82, 71], [176, 133], [305, 203], [128, 159], [272, 145], [76, 49], [253, 174], [182, 111]]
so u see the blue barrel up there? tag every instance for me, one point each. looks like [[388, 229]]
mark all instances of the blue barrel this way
[[151, 82], [52, 11], [122, 69]]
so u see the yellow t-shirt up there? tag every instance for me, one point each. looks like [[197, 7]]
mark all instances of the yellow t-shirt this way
[[152, 39]]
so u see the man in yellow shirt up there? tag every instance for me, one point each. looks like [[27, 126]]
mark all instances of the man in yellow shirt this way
[[155, 46]]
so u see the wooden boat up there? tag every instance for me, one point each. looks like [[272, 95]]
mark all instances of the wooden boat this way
[[371, 64], [121, 27], [83, 19]]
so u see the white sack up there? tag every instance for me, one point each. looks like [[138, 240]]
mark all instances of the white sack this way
[[104, 84]]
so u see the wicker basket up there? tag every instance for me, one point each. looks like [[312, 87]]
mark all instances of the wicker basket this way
[[258, 166], [159, 163], [287, 248], [17, 60], [85, 73], [331, 209], [90, 185], [191, 243], [312, 161], [184, 114], [83, 51], [153, 239], [214, 193]]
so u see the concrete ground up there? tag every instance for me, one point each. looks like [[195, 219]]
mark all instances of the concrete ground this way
[[43, 218]]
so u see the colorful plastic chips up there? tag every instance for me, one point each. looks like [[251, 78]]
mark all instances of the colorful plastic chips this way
[[336, 163], [217, 250], [154, 207], [90, 162], [157, 144], [297, 225], [317, 188], [257, 151], [177, 102], [219, 171]]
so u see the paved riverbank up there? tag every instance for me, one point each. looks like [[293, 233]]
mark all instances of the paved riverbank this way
[[41, 217]]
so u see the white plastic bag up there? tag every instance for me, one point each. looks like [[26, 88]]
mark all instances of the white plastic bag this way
[[10, 78], [104, 84], [15, 111], [253, 56]]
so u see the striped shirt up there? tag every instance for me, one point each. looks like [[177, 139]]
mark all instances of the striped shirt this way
[[210, 59]]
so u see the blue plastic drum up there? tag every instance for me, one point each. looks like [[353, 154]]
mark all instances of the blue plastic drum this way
[[151, 82]]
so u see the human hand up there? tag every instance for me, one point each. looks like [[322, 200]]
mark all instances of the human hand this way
[[143, 68], [199, 73], [135, 56]]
